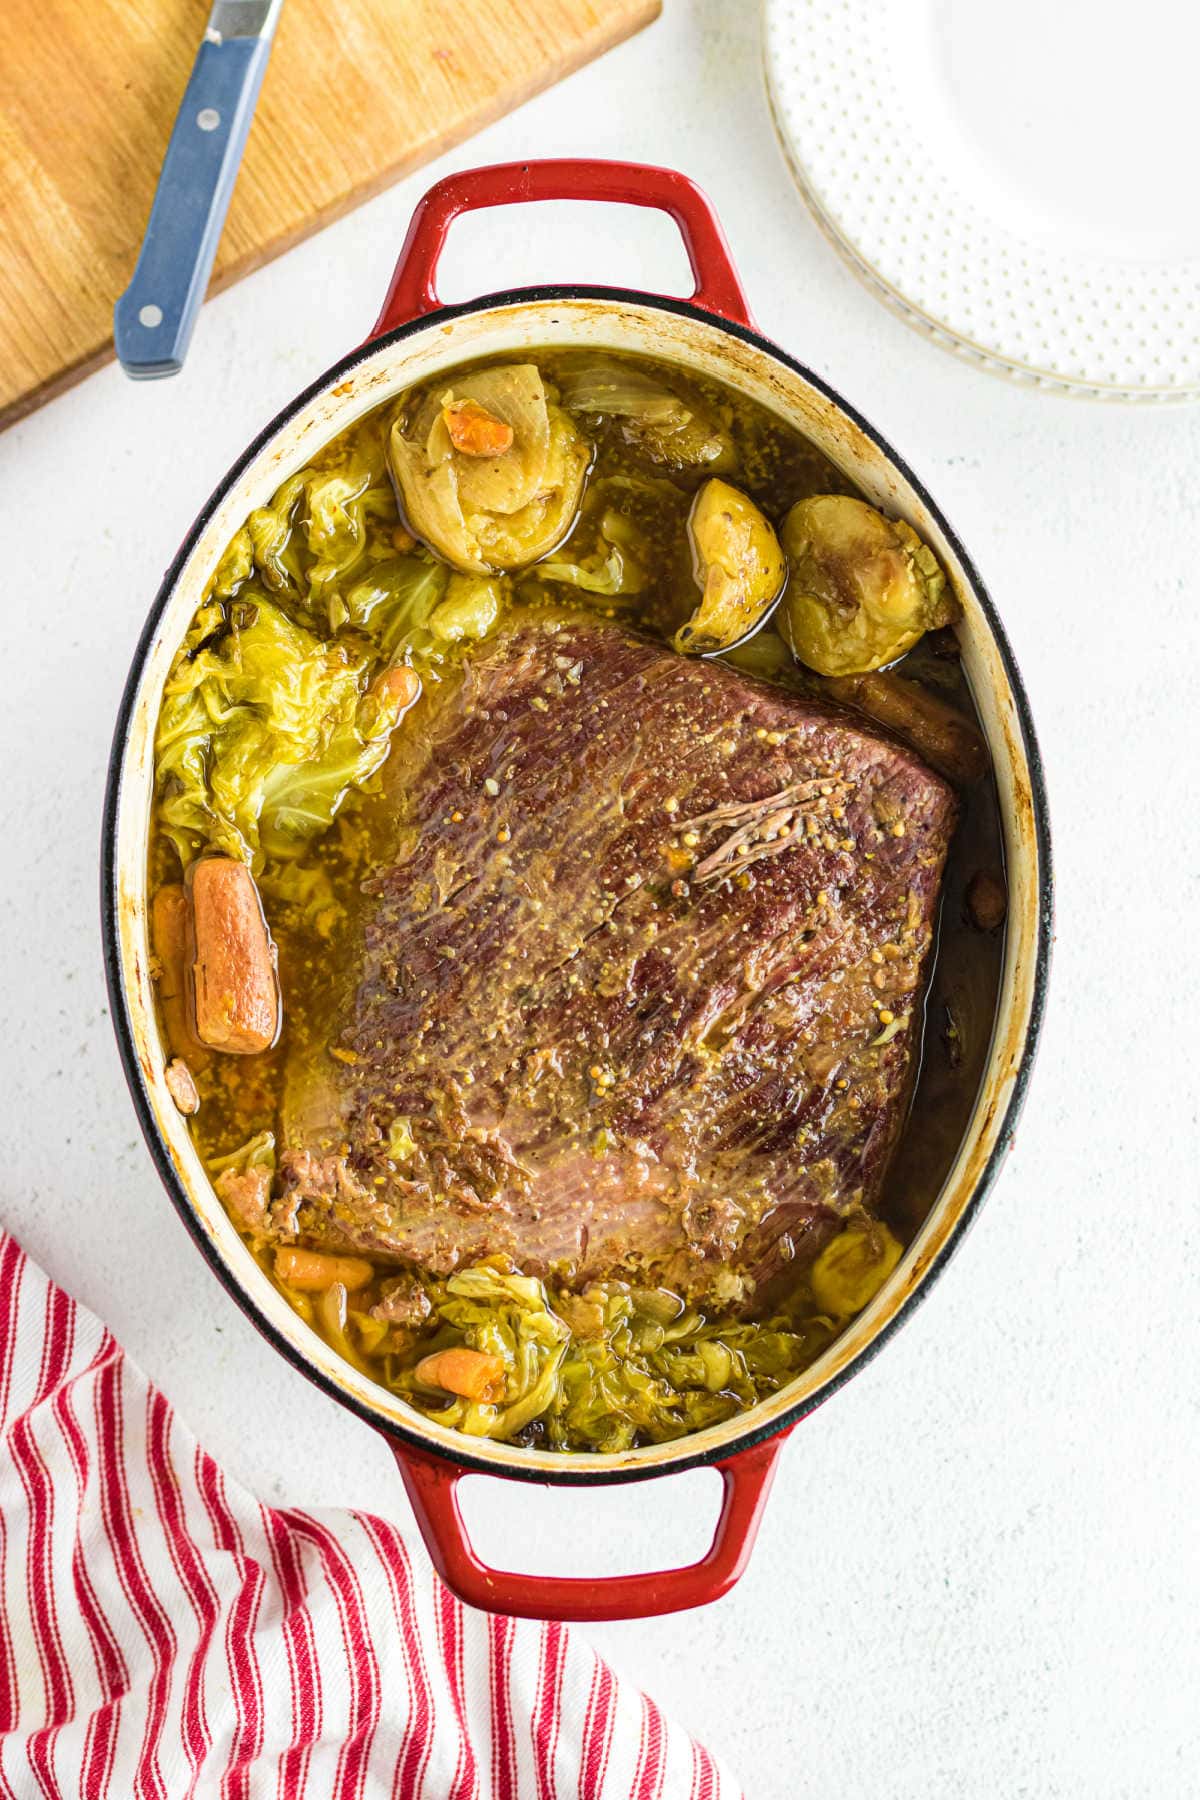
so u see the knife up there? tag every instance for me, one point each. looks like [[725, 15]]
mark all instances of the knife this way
[[153, 319]]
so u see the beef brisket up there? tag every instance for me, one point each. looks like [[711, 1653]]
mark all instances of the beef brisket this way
[[637, 989]]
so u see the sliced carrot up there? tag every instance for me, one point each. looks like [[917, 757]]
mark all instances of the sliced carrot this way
[[475, 1374], [312, 1271], [474, 431], [235, 990], [403, 539]]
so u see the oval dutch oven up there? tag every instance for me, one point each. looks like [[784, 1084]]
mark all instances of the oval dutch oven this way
[[712, 332]]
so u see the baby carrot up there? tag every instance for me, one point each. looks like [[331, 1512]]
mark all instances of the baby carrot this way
[[312, 1271], [475, 1374], [234, 985]]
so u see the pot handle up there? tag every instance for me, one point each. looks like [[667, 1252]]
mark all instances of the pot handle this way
[[432, 1486], [412, 292]]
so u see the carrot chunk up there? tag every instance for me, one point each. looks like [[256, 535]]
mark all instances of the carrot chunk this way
[[401, 686], [941, 734], [312, 1271], [474, 431], [475, 1374], [235, 990], [169, 932]]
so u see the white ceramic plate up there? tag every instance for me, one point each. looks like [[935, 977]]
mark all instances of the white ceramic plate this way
[[1019, 180]]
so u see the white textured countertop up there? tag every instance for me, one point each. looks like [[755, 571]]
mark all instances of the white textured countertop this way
[[979, 1573]]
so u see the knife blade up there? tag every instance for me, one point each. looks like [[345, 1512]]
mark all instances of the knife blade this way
[[154, 317]]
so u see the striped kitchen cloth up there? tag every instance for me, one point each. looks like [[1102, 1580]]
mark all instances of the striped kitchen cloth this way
[[162, 1633]]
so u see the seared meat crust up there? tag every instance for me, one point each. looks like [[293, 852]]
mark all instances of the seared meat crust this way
[[637, 992]]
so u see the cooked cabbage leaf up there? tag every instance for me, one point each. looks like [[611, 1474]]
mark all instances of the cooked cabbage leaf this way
[[395, 601], [605, 1370], [472, 606], [339, 506], [257, 1152], [261, 736], [313, 534], [666, 426], [613, 568]]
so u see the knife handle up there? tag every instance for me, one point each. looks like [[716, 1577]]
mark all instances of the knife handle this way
[[153, 319]]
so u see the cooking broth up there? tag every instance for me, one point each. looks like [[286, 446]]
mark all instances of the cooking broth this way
[[285, 742]]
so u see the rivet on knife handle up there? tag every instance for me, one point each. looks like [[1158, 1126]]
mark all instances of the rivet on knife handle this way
[[153, 319]]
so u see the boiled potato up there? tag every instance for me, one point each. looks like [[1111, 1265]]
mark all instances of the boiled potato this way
[[862, 589], [853, 1267], [738, 564]]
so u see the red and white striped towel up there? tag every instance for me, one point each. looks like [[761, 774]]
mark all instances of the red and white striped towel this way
[[164, 1634]]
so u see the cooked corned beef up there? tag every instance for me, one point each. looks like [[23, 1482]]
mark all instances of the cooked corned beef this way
[[638, 992]]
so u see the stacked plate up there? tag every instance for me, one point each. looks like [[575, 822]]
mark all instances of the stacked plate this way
[[1016, 181]]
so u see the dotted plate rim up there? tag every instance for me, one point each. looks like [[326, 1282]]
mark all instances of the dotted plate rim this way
[[938, 328]]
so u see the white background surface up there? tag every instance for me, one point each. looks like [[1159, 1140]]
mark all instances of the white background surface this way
[[979, 1573]]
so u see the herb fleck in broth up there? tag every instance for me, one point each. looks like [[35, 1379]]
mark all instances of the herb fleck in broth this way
[[289, 741]]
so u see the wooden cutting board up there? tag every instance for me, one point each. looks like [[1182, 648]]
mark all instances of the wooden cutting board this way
[[357, 93]]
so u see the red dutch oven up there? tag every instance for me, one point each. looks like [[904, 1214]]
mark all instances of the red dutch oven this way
[[710, 332]]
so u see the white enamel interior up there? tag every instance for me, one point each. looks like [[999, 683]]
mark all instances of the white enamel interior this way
[[529, 325]]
